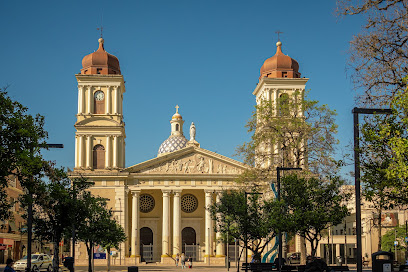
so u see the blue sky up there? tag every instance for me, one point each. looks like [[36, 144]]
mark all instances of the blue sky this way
[[204, 56]]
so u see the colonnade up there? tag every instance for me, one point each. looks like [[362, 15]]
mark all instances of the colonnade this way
[[174, 237], [86, 99], [84, 151]]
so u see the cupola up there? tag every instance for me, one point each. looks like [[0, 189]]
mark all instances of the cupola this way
[[280, 65], [176, 139], [100, 62]]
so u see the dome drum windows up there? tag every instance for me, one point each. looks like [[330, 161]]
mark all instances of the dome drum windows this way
[[146, 203], [189, 203]]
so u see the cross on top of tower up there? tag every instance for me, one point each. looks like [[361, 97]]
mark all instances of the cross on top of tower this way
[[177, 107], [101, 29], [278, 32]]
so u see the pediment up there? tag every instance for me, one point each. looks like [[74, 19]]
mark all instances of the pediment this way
[[190, 160]]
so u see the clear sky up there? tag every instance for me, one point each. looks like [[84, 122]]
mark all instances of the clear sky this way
[[204, 56]]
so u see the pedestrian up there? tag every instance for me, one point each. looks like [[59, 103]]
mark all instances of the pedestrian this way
[[9, 264], [190, 262], [183, 260], [177, 259]]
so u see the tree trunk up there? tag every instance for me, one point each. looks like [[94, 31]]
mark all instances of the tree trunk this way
[[379, 227], [55, 261], [89, 250], [108, 259], [303, 251]]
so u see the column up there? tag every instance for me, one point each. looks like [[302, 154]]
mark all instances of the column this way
[[135, 246], [176, 222], [208, 224], [166, 224], [123, 153], [115, 154], [80, 151], [76, 150], [220, 245], [108, 100], [80, 99], [108, 152], [116, 100], [89, 151], [89, 100]]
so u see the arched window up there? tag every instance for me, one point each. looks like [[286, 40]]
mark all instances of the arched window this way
[[177, 127], [98, 157], [99, 102], [284, 104]]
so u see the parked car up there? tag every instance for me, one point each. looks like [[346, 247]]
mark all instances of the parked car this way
[[39, 262], [293, 258]]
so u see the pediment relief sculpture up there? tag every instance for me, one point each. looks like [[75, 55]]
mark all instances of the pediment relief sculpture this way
[[196, 164]]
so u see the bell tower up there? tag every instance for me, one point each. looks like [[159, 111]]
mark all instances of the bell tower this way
[[280, 87], [100, 130]]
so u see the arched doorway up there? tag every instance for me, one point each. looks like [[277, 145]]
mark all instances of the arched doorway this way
[[189, 243], [146, 244]]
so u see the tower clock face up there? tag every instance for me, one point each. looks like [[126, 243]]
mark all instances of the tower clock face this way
[[99, 95]]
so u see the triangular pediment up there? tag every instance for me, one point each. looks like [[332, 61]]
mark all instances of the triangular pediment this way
[[190, 160]]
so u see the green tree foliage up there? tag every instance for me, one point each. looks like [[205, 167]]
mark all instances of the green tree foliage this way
[[98, 226], [312, 206], [248, 217], [54, 207], [389, 238], [297, 133], [378, 54], [376, 158], [21, 137]]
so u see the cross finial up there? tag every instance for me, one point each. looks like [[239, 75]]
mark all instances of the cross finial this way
[[177, 107], [101, 29], [278, 32]]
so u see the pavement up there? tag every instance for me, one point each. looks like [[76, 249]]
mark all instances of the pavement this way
[[158, 267]]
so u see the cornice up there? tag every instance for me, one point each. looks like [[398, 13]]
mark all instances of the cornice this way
[[280, 83]]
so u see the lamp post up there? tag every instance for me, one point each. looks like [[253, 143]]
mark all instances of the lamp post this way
[[356, 111], [278, 169], [30, 212], [246, 231]]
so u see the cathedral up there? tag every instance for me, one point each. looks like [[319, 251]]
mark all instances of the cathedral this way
[[161, 202]]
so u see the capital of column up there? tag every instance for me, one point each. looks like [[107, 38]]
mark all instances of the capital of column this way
[[166, 193], [135, 193]]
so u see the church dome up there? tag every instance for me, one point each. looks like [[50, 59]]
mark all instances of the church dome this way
[[280, 65], [173, 143], [100, 62], [176, 140]]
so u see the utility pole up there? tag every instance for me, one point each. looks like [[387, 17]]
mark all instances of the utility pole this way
[[356, 111], [30, 210]]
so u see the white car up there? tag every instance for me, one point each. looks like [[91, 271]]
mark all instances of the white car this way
[[39, 262]]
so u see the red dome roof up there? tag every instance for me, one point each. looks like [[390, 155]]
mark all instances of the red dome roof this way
[[100, 62], [280, 65]]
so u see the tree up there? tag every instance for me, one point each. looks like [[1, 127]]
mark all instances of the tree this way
[[54, 207], [389, 238], [21, 137], [248, 217], [378, 55], [113, 236], [300, 133], [312, 206], [97, 227], [376, 158]]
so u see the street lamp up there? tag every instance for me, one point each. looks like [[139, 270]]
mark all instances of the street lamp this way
[[356, 111], [278, 169], [246, 231], [30, 213]]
